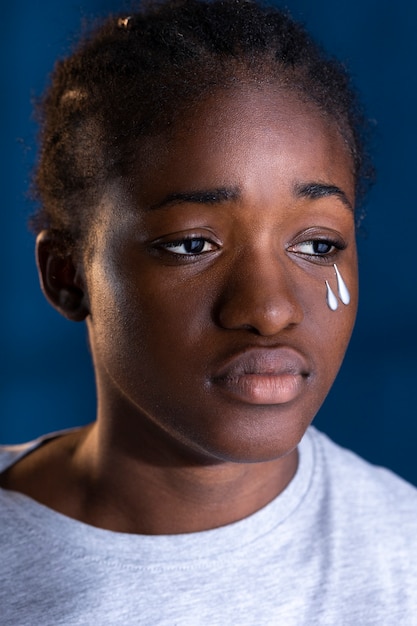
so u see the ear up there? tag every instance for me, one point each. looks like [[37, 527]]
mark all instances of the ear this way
[[60, 280]]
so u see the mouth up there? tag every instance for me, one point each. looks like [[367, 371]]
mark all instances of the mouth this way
[[264, 376]]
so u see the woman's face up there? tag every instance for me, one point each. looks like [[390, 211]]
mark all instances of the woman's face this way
[[206, 283]]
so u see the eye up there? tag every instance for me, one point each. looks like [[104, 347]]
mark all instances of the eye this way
[[189, 246], [315, 249]]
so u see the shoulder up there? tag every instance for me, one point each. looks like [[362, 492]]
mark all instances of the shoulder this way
[[12, 454], [366, 491], [39, 468], [9, 455]]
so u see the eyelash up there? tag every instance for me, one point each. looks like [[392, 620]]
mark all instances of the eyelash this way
[[183, 242], [334, 245], [317, 257]]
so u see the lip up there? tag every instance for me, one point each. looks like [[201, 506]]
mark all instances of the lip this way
[[263, 376]]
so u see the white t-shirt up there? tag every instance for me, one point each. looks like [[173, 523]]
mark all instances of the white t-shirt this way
[[337, 547]]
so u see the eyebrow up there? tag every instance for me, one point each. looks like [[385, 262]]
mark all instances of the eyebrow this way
[[204, 196], [312, 190], [320, 190]]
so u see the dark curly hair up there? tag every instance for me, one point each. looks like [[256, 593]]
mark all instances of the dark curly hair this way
[[134, 76]]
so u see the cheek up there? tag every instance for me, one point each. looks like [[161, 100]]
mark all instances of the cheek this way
[[331, 330], [145, 326]]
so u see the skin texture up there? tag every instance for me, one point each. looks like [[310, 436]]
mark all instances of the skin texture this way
[[209, 366]]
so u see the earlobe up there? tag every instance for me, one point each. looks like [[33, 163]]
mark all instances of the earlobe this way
[[59, 278]]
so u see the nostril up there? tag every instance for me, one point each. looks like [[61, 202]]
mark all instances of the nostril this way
[[259, 311]]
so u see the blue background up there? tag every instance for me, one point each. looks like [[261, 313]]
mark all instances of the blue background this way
[[46, 377]]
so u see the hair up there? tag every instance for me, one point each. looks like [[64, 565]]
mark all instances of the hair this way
[[135, 76]]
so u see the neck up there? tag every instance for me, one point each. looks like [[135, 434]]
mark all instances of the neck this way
[[151, 488]]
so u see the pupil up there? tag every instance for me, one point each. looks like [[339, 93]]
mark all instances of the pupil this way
[[194, 245], [321, 247]]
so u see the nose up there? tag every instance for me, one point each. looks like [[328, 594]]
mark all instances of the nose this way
[[259, 296]]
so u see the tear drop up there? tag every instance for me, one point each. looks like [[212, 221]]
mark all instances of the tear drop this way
[[331, 298], [344, 294]]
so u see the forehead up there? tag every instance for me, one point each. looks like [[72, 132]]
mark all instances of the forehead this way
[[263, 143], [245, 136]]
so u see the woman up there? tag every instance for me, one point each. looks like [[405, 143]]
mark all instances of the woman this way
[[199, 170]]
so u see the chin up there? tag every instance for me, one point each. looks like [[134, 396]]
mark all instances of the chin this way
[[251, 441]]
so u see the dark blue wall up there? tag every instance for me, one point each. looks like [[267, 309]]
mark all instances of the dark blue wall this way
[[46, 378]]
